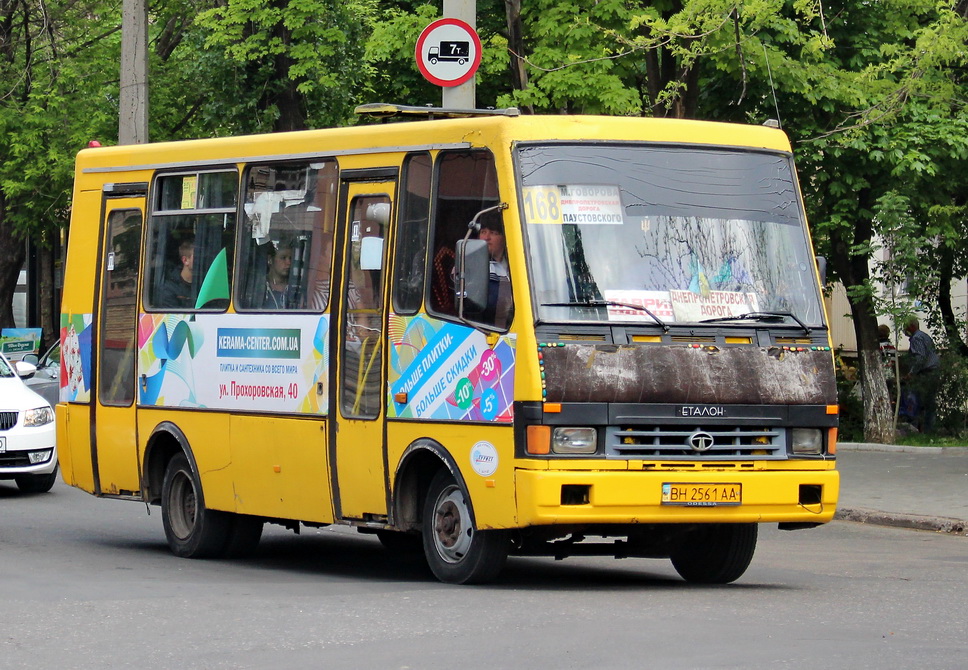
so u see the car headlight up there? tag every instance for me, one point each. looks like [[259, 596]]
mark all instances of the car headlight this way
[[574, 440], [38, 417], [807, 441]]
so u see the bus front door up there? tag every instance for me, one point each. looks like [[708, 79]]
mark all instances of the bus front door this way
[[115, 443], [358, 439]]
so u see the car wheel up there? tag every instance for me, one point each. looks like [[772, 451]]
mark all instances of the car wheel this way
[[456, 552], [192, 530], [36, 483], [716, 553]]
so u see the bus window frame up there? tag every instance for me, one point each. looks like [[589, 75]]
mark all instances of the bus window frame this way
[[153, 210], [402, 228], [433, 249], [236, 288]]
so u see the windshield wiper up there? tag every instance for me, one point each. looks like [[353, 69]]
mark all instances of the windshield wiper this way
[[609, 303], [761, 316]]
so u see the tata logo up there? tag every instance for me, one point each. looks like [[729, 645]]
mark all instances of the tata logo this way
[[701, 441], [701, 410]]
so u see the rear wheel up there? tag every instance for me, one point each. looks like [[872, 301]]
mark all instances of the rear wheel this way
[[716, 553], [192, 530], [36, 483], [456, 552]]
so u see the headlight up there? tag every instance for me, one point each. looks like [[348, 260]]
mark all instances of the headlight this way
[[39, 456], [807, 441], [574, 441], [38, 417]]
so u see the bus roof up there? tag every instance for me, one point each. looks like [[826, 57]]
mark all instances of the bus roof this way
[[491, 130]]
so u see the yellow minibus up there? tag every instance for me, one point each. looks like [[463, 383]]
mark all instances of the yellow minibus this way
[[472, 333]]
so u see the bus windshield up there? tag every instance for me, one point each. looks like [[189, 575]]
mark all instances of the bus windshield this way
[[665, 234]]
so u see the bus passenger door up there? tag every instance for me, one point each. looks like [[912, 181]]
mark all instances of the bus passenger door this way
[[358, 438], [115, 444]]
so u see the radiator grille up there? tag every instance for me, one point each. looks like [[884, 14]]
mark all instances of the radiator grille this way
[[8, 420], [674, 441]]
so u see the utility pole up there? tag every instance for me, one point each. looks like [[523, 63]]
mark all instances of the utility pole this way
[[133, 102], [465, 95]]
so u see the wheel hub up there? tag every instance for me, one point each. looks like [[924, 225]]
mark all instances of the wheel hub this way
[[452, 526]]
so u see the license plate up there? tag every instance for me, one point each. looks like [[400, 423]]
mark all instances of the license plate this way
[[702, 495]]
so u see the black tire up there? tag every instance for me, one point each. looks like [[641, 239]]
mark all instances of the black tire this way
[[456, 552], [192, 530], [716, 553], [36, 483], [244, 535]]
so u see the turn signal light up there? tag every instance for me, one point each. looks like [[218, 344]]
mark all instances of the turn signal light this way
[[539, 440]]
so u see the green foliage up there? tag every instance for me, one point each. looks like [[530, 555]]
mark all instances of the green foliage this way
[[952, 417], [48, 111], [304, 53], [851, 414], [390, 57]]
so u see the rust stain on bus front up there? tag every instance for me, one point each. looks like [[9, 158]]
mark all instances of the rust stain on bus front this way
[[645, 374]]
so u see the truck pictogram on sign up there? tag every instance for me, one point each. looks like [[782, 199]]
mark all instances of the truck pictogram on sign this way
[[454, 52]]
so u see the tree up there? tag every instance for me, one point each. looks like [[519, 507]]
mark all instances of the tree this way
[[49, 56], [297, 60]]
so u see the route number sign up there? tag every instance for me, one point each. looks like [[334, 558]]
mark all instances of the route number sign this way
[[448, 52]]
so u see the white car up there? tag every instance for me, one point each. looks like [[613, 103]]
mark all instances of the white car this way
[[28, 435]]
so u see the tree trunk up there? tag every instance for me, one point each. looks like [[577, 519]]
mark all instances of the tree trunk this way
[[287, 99], [13, 252], [519, 73], [854, 272], [49, 304], [948, 318], [878, 410]]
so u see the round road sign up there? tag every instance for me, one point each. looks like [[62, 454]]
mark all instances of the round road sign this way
[[448, 52]]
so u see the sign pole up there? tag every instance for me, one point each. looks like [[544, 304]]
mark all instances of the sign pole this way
[[465, 95]]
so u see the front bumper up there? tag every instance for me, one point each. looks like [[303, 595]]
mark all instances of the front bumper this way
[[19, 442], [547, 497]]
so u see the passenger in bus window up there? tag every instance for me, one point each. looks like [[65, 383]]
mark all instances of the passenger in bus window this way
[[499, 305], [177, 289], [279, 292]]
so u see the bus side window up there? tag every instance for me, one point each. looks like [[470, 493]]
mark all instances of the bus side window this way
[[466, 183], [287, 236], [191, 241], [411, 254]]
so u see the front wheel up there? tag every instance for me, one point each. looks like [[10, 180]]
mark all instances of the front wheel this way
[[716, 553], [456, 552], [192, 530], [36, 483]]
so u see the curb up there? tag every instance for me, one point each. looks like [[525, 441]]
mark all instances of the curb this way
[[914, 521], [895, 448]]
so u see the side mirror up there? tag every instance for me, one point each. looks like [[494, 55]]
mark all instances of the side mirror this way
[[472, 272], [822, 269], [25, 370], [33, 359]]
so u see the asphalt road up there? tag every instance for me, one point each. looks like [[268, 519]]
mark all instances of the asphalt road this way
[[89, 583]]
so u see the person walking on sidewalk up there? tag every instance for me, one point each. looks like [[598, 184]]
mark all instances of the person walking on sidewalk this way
[[923, 373]]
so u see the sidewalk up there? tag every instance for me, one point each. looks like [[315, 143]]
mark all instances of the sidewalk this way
[[910, 487]]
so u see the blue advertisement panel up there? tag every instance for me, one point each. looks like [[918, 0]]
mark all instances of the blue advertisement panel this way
[[448, 371]]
